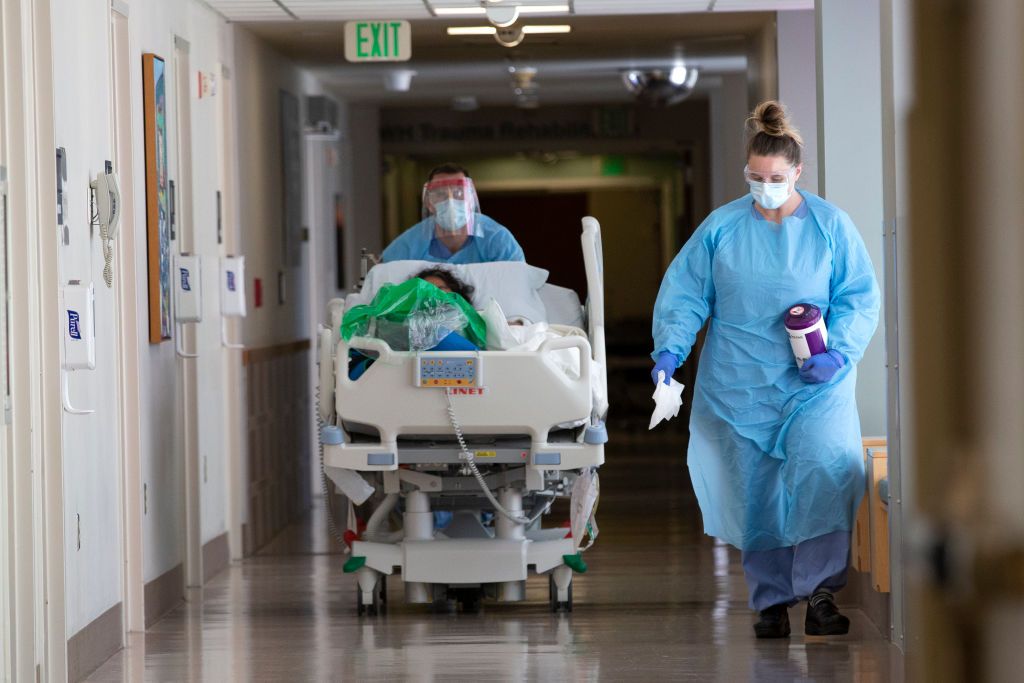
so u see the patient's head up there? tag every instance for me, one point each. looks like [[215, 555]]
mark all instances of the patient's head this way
[[446, 281]]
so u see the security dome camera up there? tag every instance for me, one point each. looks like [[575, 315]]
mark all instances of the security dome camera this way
[[660, 87]]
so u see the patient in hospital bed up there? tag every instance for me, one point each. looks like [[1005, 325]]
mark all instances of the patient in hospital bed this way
[[520, 322], [431, 311]]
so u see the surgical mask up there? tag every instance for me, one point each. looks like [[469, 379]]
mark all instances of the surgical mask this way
[[770, 195], [450, 215]]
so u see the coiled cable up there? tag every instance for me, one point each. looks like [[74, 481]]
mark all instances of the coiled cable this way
[[470, 459], [332, 528]]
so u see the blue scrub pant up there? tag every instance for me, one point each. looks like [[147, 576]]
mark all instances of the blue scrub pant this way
[[787, 575]]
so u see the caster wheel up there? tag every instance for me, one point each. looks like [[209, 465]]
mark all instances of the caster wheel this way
[[556, 604], [469, 598], [373, 609], [441, 603]]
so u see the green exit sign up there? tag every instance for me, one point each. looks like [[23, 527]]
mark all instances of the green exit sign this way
[[378, 41]]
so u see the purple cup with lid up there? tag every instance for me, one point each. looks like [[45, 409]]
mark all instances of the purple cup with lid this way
[[807, 333]]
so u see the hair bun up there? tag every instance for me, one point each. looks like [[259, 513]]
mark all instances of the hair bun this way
[[770, 118]]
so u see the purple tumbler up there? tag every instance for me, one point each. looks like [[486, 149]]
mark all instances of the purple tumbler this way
[[807, 333]]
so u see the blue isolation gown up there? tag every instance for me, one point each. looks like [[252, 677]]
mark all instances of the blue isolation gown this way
[[774, 461], [490, 241]]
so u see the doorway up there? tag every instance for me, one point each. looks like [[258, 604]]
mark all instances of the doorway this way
[[547, 227]]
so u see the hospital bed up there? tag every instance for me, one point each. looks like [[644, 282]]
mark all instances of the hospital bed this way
[[491, 437]]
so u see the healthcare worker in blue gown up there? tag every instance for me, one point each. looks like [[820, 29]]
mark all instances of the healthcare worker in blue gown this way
[[453, 230], [775, 451]]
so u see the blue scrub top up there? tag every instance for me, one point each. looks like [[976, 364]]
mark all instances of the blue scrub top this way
[[491, 242]]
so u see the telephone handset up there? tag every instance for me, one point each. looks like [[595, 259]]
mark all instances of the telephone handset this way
[[108, 203], [107, 216]]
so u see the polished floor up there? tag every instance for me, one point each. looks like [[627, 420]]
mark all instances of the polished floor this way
[[659, 602]]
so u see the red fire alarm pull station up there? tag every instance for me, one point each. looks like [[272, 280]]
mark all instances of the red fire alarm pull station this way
[[257, 292]]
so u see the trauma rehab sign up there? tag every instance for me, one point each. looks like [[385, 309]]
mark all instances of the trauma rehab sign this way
[[378, 41]]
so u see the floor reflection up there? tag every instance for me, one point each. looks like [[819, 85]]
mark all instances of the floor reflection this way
[[660, 602]]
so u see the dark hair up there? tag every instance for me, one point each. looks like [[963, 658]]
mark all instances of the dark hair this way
[[773, 135], [457, 286], [446, 168]]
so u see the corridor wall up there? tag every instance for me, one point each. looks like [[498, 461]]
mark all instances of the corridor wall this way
[[92, 454]]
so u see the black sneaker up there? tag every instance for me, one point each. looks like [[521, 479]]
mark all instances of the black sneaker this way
[[823, 618], [774, 622]]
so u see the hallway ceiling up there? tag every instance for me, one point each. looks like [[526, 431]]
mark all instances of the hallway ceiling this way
[[584, 66], [341, 10]]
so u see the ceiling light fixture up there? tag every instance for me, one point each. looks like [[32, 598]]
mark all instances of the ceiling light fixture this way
[[508, 36], [471, 30], [677, 75], [522, 9], [543, 9], [490, 30], [546, 28], [459, 11]]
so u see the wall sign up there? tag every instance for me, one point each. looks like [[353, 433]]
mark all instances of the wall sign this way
[[378, 41]]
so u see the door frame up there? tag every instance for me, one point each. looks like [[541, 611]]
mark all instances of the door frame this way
[[234, 403], [187, 367], [126, 293], [35, 484]]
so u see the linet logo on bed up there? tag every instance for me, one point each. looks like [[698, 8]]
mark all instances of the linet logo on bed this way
[[466, 391]]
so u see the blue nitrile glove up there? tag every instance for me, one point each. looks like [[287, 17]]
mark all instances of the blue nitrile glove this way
[[822, 367], [667, 362]]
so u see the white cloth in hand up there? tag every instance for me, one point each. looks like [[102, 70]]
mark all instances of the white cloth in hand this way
[[668, 398]]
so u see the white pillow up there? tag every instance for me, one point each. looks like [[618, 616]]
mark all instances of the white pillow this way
[[562, 305], [513, 284]]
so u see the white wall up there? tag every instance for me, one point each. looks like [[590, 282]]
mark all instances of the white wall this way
[[850, 154], [155, 23], [92, 472], [729, 112], [257, 87], [798, 84], [204, 29], [91, 453]]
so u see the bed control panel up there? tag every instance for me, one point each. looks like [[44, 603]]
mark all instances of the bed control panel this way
[[448, 369]]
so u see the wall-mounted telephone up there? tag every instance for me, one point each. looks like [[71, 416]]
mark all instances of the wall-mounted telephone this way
[[107, 216]]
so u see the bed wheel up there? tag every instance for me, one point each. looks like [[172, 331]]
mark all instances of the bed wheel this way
[[556, 604], [469, 598], [373, 609]]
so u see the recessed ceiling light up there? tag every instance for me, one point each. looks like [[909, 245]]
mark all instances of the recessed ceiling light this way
[[547, 28], [542, 9], [490, 30], [471, 30], [459, 11], [477, 11]]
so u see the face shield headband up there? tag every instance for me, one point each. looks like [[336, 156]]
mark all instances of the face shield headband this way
[[453, 204]]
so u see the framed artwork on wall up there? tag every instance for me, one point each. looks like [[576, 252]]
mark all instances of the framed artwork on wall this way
[[158, 209]]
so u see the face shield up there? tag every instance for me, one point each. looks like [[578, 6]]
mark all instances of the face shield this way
[[453, 204]]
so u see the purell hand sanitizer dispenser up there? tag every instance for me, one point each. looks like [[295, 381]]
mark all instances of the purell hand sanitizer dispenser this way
[[232, 294], [79, 323], [188, 295]]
